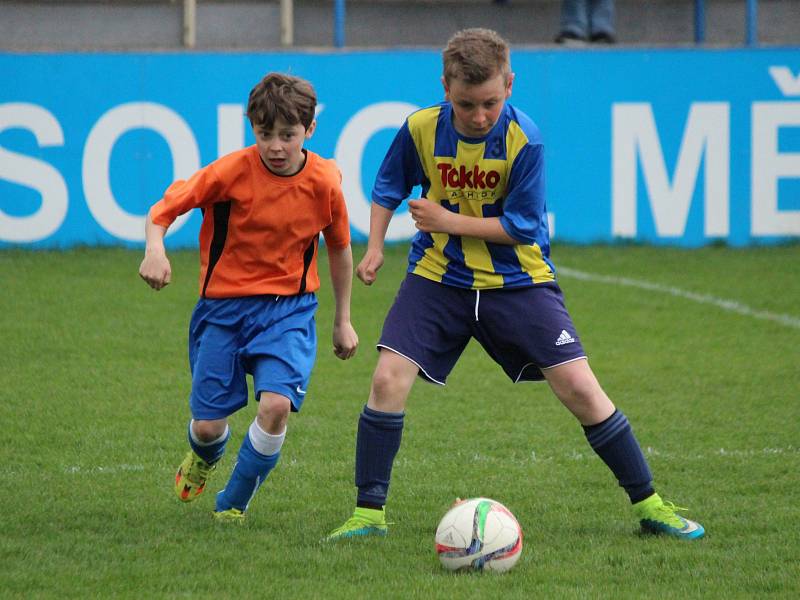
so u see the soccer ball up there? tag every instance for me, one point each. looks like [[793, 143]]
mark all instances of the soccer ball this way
[[478, 534]]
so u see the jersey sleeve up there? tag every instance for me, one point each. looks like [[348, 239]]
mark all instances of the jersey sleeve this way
[[399, 172], [524, 204], [337, 234], [199, 191]]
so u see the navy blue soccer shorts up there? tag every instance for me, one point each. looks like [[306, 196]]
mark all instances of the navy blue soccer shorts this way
[[272, 338], [524, 330]]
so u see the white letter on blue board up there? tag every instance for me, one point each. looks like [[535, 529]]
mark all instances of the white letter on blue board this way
[[349, 155], [33, 173], [97, 156], [230, 128], [769, 165], [635, 137], [787, 83]]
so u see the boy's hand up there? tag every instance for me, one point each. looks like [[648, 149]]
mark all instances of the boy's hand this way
[[430, 217], [155, 270], [345, 340], [367, 270]]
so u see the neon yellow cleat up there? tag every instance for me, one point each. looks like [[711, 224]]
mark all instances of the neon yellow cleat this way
[[659, 517], [232, 515], [364, 522], [190, 480]]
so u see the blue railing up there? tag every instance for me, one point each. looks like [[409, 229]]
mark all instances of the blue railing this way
[[699, 21], [750, 22], [339, 16]]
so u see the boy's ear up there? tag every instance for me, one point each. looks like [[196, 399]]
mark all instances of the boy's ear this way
[[311, 128], [446, 88], [509, 85]]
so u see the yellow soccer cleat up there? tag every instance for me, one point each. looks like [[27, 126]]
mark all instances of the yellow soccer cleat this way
[[232, 515], [190, 480], [364, 522], [659, 517]]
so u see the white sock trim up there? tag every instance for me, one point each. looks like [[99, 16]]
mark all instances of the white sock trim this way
[[265, 443], [200, 442]]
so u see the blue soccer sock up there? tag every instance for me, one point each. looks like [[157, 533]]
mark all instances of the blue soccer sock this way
[[251, 469], [379, 435], [614, 442], [211, 451]]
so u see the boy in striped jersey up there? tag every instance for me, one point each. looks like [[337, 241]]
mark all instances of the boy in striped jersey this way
[[479, 267]]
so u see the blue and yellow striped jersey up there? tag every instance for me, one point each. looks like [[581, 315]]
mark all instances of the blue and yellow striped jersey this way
[[499, 175]]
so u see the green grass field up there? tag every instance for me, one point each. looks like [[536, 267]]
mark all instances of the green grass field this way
[[93, 408]]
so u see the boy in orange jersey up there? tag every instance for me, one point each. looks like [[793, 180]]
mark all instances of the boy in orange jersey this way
[[263, 210]]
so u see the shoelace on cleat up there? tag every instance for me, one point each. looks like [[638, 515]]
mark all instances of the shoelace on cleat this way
[[356, 522], [666, 512], [199, 471]]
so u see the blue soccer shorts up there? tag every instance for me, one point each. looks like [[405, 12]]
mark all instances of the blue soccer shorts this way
[[524, 330], [272, 338]]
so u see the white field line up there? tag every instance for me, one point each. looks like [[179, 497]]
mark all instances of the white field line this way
[[78, 470], [720, 452], [579, 455], [518, 459], [728, 305]]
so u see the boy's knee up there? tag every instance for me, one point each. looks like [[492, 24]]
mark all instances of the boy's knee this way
[[273, 412], [386, 383], [580, 392], [389, 391], [581, 389], [391, 382], [208, 431], [382, 380]]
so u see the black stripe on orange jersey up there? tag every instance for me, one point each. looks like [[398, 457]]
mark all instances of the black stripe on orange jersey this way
[[222, 213], [307, 257]]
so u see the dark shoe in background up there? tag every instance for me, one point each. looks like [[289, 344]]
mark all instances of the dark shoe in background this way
[[569, 38], [603, 38]]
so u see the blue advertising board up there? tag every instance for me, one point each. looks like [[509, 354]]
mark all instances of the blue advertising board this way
[[682, 147]]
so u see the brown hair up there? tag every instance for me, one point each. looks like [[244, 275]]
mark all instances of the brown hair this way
[[476, 55], [284, 97]]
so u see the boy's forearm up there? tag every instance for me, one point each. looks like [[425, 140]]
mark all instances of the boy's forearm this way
[[431, 217], [154, 236], [341, 268], [379, 218], [488, 229], [155, 268]]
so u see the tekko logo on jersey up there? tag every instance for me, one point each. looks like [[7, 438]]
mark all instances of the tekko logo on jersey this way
[[474, 183]]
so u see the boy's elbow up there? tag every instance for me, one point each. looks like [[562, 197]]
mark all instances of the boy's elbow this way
[[516, 235], [340, 254], [339, 250]]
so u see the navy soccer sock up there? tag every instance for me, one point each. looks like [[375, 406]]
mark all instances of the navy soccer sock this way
[[249, 473], [212, 451], [614, 442], [379, 435]]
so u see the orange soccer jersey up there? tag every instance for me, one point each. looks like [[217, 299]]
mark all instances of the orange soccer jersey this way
[[260, 231]]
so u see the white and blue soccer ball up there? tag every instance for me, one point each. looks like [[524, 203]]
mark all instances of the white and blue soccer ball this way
[[478, 534]]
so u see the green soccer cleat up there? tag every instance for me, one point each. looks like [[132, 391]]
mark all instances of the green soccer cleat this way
[[364, 522], [190, 480], [659, 517], [232, 515]]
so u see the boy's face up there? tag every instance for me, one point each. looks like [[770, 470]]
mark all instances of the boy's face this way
[[281, 148], [476, 108]]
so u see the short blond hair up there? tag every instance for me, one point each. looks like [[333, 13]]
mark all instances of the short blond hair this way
[[476, 55]]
